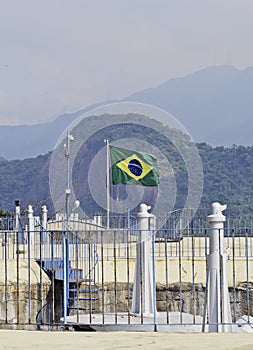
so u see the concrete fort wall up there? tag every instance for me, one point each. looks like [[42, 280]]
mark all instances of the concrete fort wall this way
[[22, 295]]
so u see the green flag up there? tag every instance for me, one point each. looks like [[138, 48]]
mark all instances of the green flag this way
[[134, 168]]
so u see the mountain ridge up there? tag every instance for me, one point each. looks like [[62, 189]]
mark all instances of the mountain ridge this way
[[214, 104]]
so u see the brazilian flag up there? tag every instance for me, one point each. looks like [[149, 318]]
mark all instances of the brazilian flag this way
[[134, 168]]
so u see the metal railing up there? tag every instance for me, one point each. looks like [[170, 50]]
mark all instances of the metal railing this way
[[102, 263]]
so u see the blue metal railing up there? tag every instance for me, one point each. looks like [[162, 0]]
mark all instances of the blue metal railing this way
[[83, 259]]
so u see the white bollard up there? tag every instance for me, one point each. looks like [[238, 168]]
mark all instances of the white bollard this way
[[218, 303], [17, 223], [143, 291], [44, 217], [17, 214], [99, 220], [30, 223]]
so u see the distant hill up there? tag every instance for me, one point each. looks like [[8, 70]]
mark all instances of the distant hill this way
[[26, 141], [228, 172], [214, 104], [2, 160], [29, 181]]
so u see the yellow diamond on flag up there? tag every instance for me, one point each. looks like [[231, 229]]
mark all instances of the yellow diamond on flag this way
[[134, 167]]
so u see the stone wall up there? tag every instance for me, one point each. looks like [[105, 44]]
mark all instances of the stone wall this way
[[19, 308], [169, 298], [22, 296], [20, 305]]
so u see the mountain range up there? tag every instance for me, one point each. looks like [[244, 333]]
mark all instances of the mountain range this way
[[214, 104]]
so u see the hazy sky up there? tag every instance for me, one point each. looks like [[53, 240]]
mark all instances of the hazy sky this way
[[63, 55]]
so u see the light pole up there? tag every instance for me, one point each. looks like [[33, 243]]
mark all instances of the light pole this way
[[107, 184], [65, 246], [67, 155]]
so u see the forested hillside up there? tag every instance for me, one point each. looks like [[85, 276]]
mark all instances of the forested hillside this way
[[228, 172], [228, 176]]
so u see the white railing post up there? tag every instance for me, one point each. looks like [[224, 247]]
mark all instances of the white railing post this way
[[143, 302], [218, 303]]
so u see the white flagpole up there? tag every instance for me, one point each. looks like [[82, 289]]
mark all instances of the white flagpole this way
[[107, 184]]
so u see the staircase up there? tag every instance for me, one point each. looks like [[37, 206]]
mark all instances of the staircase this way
[[81, 291], [83, 298]]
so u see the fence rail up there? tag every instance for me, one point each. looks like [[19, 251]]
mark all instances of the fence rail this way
[[100, 267]]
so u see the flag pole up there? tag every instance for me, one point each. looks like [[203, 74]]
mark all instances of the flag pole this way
[[107, 184]]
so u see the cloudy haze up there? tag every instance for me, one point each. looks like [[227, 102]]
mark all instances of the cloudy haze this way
[[59, 55]]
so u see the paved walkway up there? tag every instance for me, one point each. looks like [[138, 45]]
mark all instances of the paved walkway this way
[[15, 340]]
